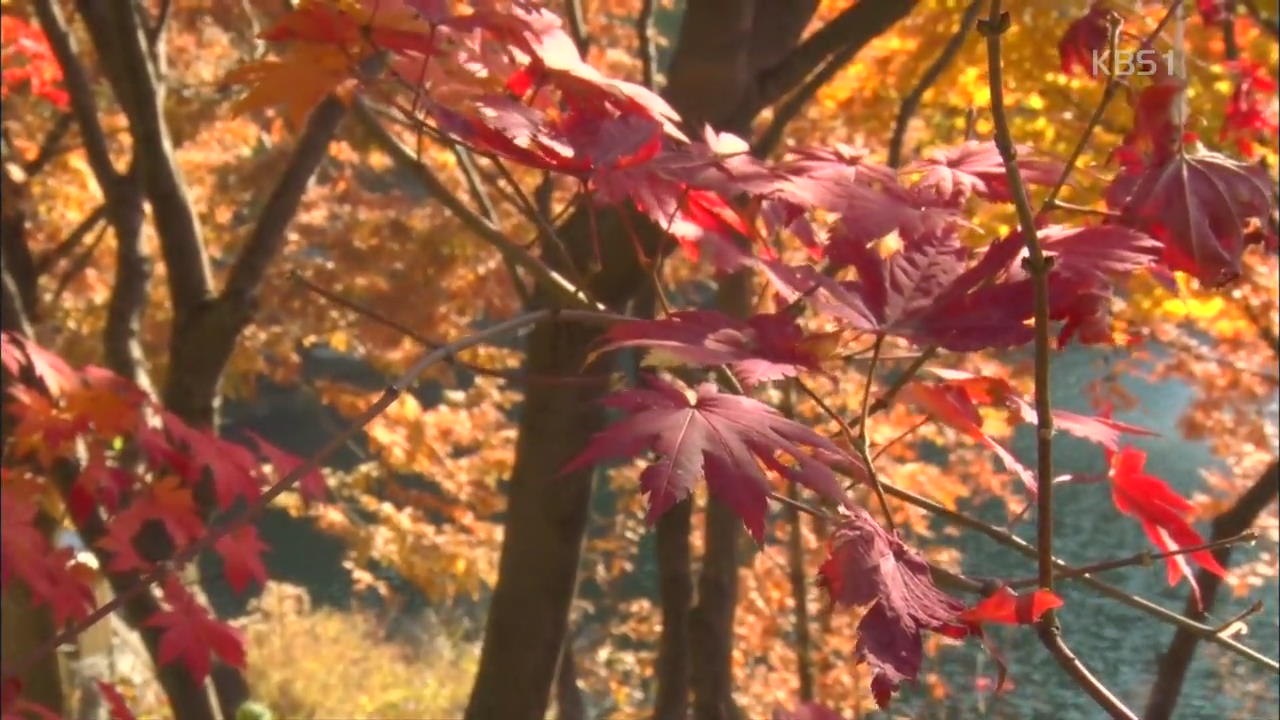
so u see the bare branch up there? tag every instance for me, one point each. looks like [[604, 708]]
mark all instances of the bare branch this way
[[578, 26], [482, 228], [911, 102], [853, 28], [648, 48], [117, 35], [49, 147], [1144, 558], [45, 262], [80, 92], [268, 234]]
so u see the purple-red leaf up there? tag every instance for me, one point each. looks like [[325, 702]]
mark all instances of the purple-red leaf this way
[[869, 566], [763, 348], [725, 438], [951, 175], [1202, 207], [925, 292]]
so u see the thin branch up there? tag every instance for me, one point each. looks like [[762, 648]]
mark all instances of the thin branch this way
[[1009, 540], [852, 28], [648, 47], [374, 315], [478, 225], [155, 32], [77, 266], [1176, 659], [900, 437], [1050, 631], [911, 102], [1145, 558], [578, 26], [268, 236], [882, 402], [49, 146], [238, 519], [1266, 22], [68, 245], [84, 106]]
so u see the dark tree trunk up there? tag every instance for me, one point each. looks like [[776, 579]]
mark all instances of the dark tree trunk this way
[[726, 51], [675, 588], [1175, 661]]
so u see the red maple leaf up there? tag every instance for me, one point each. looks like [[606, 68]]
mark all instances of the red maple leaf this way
[[167, 506], [1007, 607], [53, 577], [720, 436], [925, 292], [1162, 513], [1199, 206], [233, 469], [18, 352], [1251, 111], [951, 406], [1087, 37], [116, 704], [949, 176], [28, 60], [869, 566], [760, 349], [986, 390], [241, 553], [189, 634]]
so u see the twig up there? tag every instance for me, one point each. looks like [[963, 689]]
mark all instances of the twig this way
[[482, 228], [858, 444], [882, 403], [1236, 624], [1144, 558], [900, 437], [1050, 631], [911, 102], [237, 520], [374, 315]]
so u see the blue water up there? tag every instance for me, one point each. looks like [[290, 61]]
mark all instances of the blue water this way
[[1118, 643]]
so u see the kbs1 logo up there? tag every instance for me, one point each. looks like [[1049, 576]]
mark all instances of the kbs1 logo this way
[[1125, 63]]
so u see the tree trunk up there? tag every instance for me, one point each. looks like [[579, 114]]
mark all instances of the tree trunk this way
[[675, 588], [726, 48], [1177, 658]]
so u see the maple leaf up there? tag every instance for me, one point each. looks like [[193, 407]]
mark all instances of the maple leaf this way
[[868, 566], [116, 704], [951, 175], [233, 469], [189, 634], [1251, 111], [986, 390], [18, 352], [924, 292], [763, 348], [53, 577], [1199, 207], [951, 406], [1087, 37], [720, 436], [1007, 607], [241, 553], [1162, 513], [28, 60], [166, 506]]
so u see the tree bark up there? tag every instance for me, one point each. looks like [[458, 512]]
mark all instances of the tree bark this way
[[675, 590], [1176, 660]]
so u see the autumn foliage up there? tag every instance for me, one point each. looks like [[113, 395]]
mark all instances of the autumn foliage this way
[[959, 261]]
